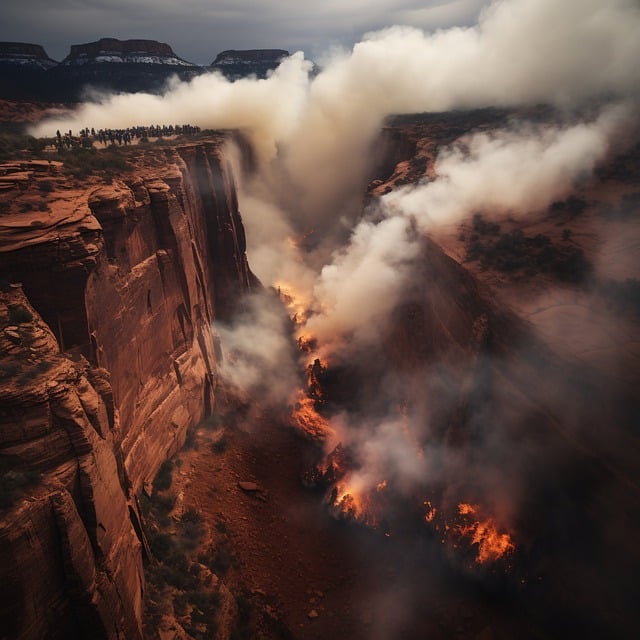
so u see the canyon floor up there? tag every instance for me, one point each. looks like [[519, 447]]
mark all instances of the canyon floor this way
[[303, 573]]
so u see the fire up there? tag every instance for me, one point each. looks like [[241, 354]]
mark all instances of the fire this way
[[349, 502], [308, 420], [492, 544], [294, 301], [430, 511]]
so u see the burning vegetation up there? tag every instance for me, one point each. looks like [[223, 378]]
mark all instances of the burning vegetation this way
[[473, 528]]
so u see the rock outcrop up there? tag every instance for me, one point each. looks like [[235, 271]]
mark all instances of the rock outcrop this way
[[108, 356], [239, 64], [25, 55], [108, 64], [112, 50]]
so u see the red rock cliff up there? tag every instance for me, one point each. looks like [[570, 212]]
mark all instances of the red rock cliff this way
[[108, 356]]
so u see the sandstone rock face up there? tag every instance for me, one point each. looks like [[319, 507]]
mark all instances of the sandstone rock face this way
[[71, 562], [107, 356]]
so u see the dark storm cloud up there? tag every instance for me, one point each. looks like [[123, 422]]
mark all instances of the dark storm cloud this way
[[199, 29]]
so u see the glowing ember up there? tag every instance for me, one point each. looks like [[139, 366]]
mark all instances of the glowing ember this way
[[492, 545], [430, 511]]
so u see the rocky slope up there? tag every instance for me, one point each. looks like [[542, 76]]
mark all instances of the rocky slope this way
[[108, 356]]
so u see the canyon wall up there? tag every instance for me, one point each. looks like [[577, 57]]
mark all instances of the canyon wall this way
[[107, 358]]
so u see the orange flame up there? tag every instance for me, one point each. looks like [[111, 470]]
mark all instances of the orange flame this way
[[492, 544], [430, 511], [308, 420], [348, 502], [293, 300]]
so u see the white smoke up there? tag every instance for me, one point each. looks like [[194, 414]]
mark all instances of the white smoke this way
[[259, 360], [516, 172]]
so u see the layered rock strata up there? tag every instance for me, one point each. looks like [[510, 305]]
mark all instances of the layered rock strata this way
[[107, 358]]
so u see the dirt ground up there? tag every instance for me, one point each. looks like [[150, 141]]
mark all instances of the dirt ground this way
[[317, 576]]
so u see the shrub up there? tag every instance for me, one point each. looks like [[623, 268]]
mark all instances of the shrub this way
[[191, 515], [84, 162], [17, 145], [161, 545], [162, 481], [163, 504], [190, 441], [223, 560], [220, 445]]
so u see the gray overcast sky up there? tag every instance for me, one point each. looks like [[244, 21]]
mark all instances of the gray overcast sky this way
[[199, 29]]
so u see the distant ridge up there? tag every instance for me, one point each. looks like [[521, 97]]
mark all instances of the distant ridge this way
[[25, 54], [112, 50], [236, 64], [110, 64]]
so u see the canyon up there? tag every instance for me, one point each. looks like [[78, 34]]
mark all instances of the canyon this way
[[108, 359], [113, 284]]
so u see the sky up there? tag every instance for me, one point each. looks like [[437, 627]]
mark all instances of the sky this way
[[199, 29]]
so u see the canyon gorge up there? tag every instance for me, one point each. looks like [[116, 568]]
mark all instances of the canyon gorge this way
[[124, 295], [353, 354]]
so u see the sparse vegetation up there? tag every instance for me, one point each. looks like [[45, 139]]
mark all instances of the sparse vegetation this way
[[220, 445], [515, 252], [163, 478], [17, 145], [571, 207], [84, 162]]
